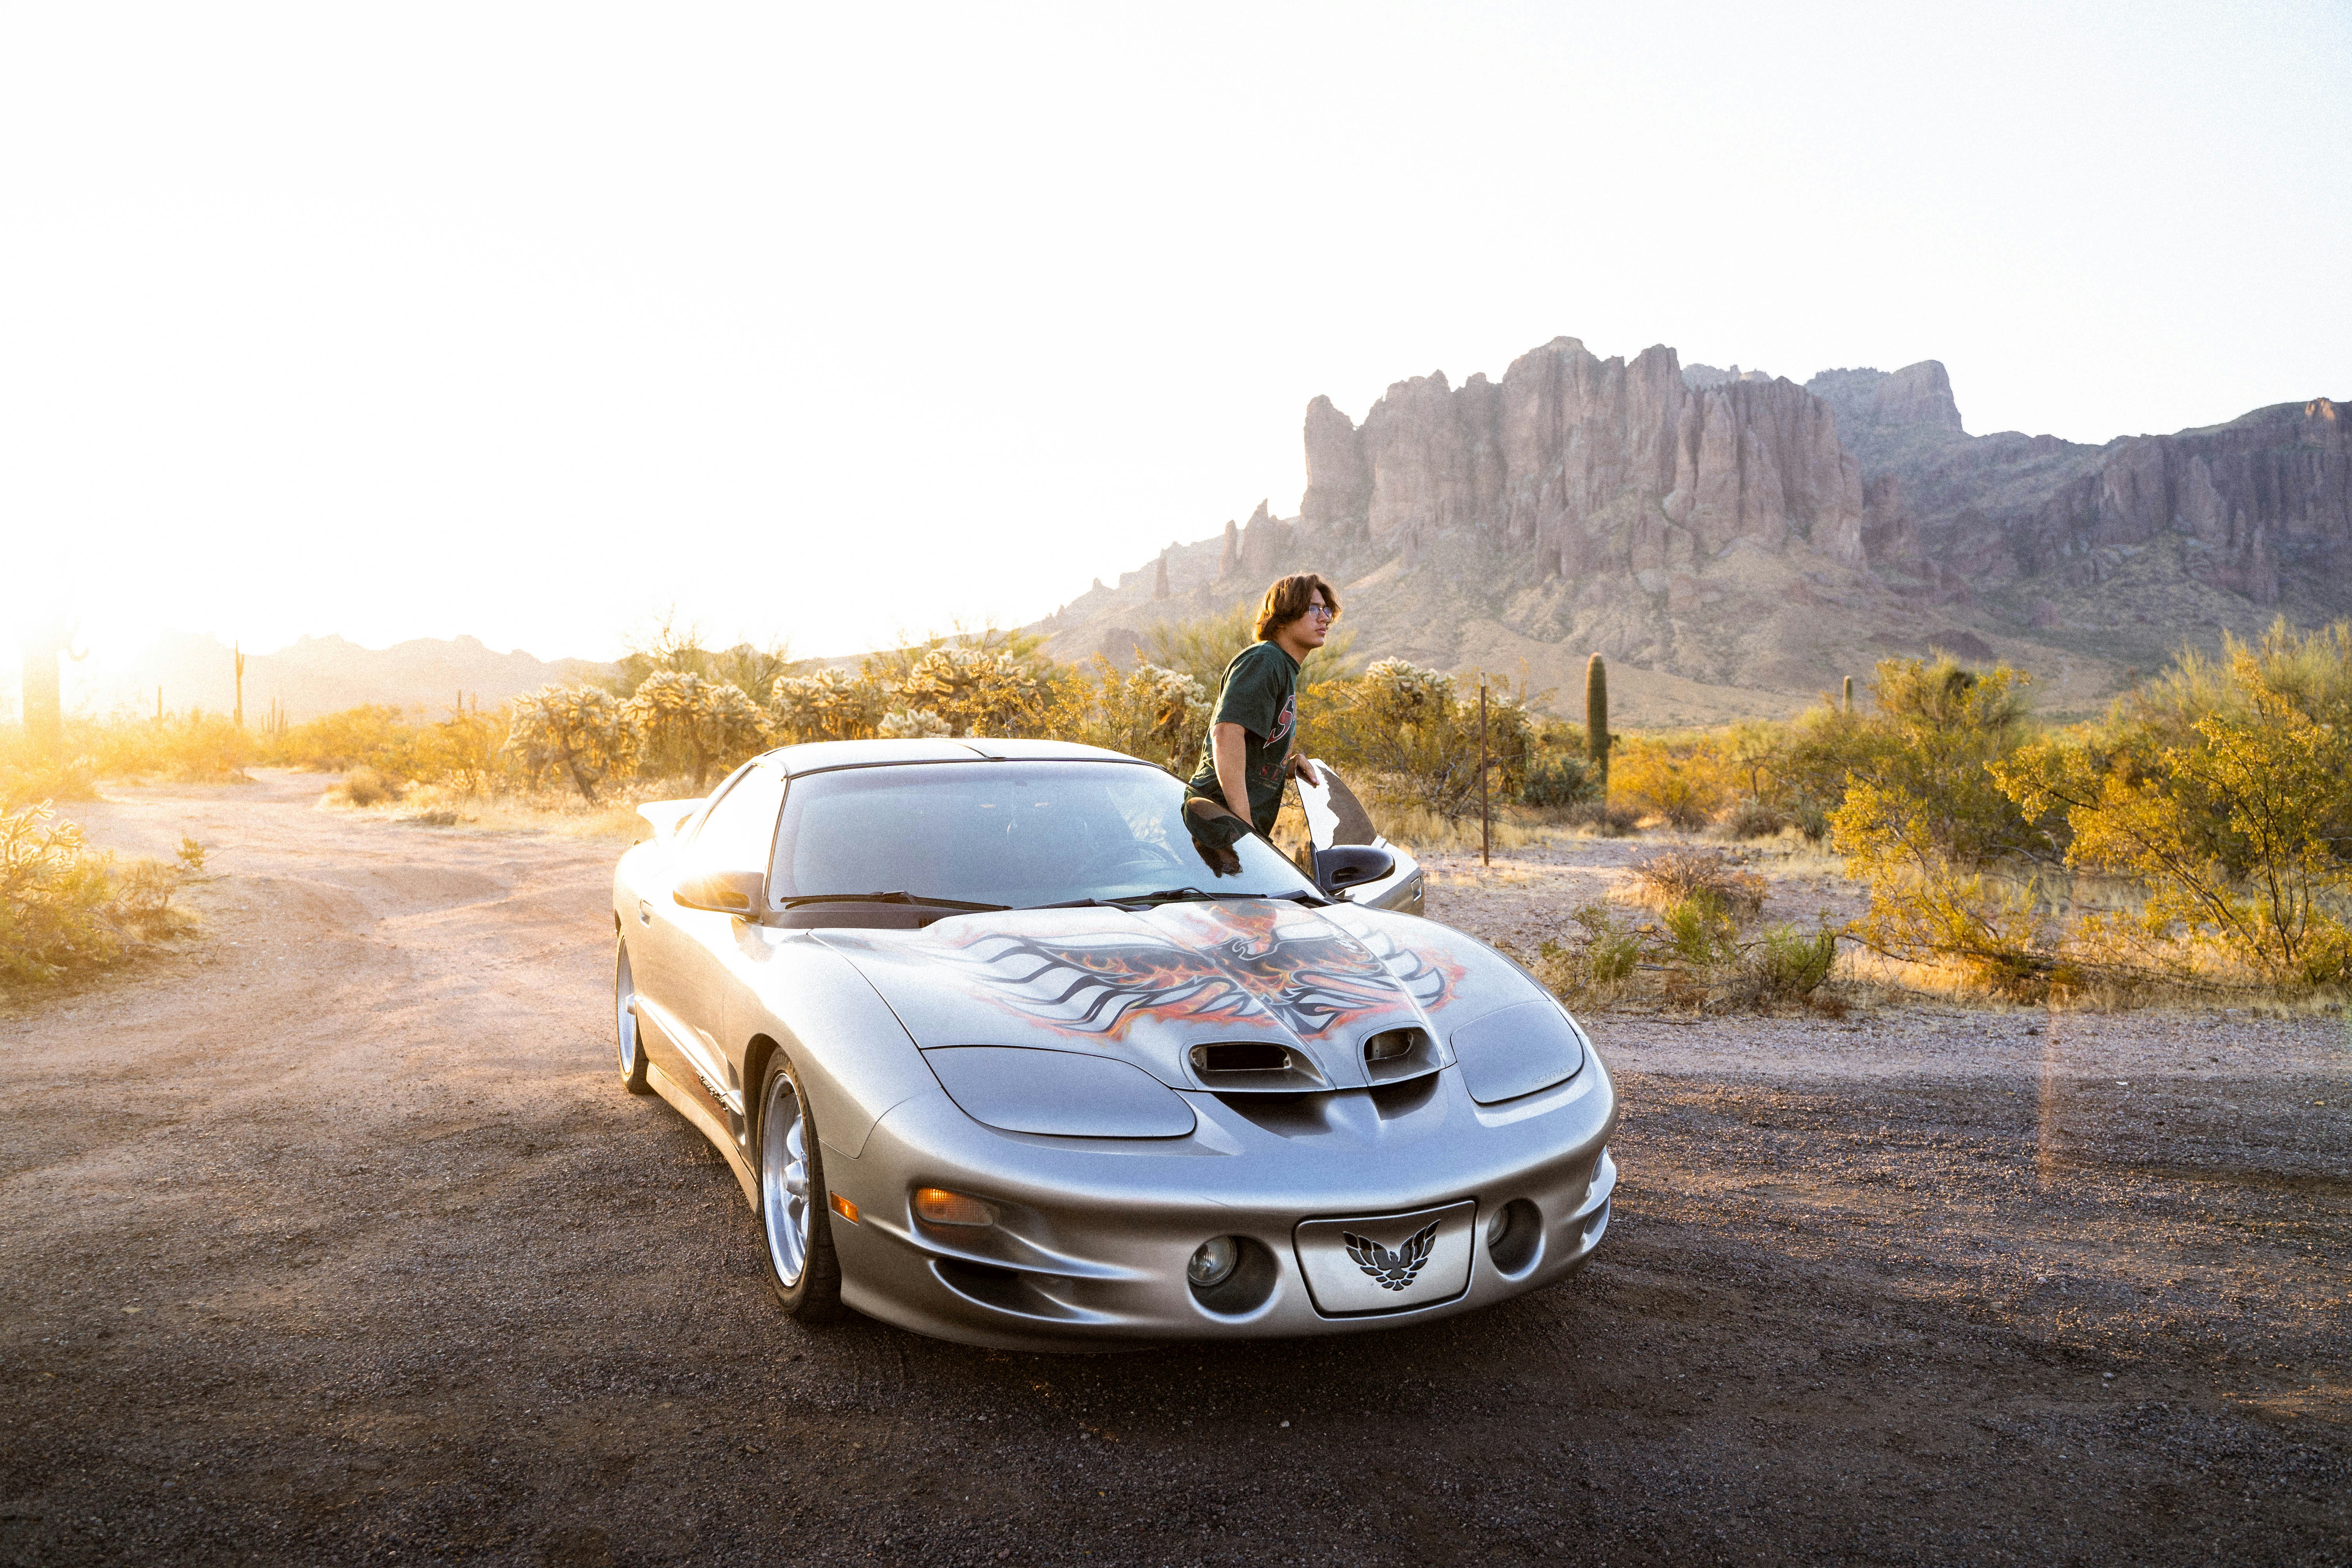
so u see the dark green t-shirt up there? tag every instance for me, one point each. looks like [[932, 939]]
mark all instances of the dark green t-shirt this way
[[1261, 694]]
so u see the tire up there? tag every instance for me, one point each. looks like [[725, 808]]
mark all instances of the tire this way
[[631, 1044], [795, 1221]]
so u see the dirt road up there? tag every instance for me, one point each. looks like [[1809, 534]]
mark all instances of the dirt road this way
[[334, 1240]]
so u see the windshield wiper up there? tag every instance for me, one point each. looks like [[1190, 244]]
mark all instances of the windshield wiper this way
[[1170, 896], [897, 898]]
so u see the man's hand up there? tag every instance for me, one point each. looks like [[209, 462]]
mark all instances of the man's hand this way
[[1304, 770]]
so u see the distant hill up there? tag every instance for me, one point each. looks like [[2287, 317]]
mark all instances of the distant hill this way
[[1735, 543], [322, 675]]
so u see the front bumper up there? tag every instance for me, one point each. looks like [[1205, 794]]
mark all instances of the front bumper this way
[[1092, 1236]]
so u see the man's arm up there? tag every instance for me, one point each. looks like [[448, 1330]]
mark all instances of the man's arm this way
[[1227, 744]]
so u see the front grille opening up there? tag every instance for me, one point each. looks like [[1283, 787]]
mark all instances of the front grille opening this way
[[1515, 1236], [1241, 1055]]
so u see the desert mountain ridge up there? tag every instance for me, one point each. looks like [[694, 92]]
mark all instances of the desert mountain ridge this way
[[316, 675], [1735, 543]]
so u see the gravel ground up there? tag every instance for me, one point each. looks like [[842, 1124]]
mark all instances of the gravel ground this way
[[333, 1239]]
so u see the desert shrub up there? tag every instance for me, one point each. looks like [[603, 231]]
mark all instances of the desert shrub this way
[[1411, 736], [1602, 818], [466, 751], [666, 645], [372, 735], [1814, 756], [1681, 779], [364, 786], [25, 778], [63, 908], [1664, 877], [1596, 962], [1752, 819], [1787, 964], [2225, 792], [979, 690], [1148, 711], [1556, 779], [988, 682], [1948, 852], [1699, 931]]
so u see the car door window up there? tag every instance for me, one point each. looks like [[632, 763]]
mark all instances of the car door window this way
[[739, 830]]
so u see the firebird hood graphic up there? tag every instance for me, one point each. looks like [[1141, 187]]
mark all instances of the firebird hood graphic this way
[[1148, 985]]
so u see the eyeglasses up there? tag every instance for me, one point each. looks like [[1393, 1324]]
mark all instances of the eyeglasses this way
[[1321, 612]]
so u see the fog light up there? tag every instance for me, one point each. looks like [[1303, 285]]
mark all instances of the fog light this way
[[1213, 1262], [937, 1206]]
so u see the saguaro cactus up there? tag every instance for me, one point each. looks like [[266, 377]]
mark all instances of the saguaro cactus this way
[[1849, 693], [44, 706], [1596, 721], [237, 651]]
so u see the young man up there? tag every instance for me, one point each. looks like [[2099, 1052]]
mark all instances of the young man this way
[[1249, 751]]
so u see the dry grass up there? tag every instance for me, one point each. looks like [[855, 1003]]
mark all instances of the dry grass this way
[[1665, 879], [559, 812]]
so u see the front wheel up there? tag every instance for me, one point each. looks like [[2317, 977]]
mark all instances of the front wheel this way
[[625, 1023], [801, 1269]]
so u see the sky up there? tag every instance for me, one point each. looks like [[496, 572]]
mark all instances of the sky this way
[[830, 324]]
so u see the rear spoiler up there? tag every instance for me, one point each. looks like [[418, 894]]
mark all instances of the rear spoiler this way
[[668, 816]]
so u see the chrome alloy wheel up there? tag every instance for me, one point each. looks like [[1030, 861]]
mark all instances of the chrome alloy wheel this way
[[625, 1019], [784, 1180], [631, 1051]]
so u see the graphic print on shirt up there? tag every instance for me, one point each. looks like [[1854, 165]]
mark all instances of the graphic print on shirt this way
[[1284, 721]]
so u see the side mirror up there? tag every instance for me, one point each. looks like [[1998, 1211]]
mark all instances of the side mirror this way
[[1350, 864], [724, 892]]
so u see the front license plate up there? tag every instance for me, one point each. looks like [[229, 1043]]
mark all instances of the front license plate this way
[[1386, 1263]]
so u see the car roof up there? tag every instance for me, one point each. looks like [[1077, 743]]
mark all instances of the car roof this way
[[823, 756]]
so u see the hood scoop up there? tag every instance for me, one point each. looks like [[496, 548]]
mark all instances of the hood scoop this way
[[1255, 1066]]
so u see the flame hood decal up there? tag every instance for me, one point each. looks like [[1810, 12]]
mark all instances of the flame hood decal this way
[[1146, 984]]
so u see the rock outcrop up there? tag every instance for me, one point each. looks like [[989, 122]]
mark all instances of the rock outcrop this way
[[2265, 493], [1588, 464], [1735, 543]]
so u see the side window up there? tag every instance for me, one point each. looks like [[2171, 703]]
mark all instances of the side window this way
[[740, 831]]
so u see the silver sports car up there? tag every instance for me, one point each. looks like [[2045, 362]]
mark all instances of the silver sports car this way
[[1000, 1054]]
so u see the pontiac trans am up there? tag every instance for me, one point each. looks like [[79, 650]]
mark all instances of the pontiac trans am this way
[[1001, 1055]]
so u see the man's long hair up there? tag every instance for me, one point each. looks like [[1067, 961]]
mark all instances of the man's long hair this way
[[1287, 600]]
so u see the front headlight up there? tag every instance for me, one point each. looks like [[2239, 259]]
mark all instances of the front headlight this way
[[1061, 1094]]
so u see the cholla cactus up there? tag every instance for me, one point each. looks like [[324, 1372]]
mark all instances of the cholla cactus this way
[[827, 705], [1178, 706], [977, 690], [1408, 692], [703, 719], [912, 724], [585, 728]]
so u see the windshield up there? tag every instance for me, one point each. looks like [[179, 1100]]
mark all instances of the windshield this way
[[1006, 833]]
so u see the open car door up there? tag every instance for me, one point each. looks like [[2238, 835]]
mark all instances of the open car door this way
[[1335, 819]]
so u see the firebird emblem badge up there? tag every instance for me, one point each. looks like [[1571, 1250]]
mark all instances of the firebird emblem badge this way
[[1393, 1270]]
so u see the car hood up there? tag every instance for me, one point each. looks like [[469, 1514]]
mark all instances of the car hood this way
[[1146, 986]]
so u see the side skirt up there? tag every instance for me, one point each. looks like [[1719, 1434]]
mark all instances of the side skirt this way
[[687, 1101]]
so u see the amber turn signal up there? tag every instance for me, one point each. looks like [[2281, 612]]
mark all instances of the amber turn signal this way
[[937, 1206], [844, 1207]]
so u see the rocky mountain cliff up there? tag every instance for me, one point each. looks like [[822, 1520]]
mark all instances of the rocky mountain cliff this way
[[1735, 542]]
